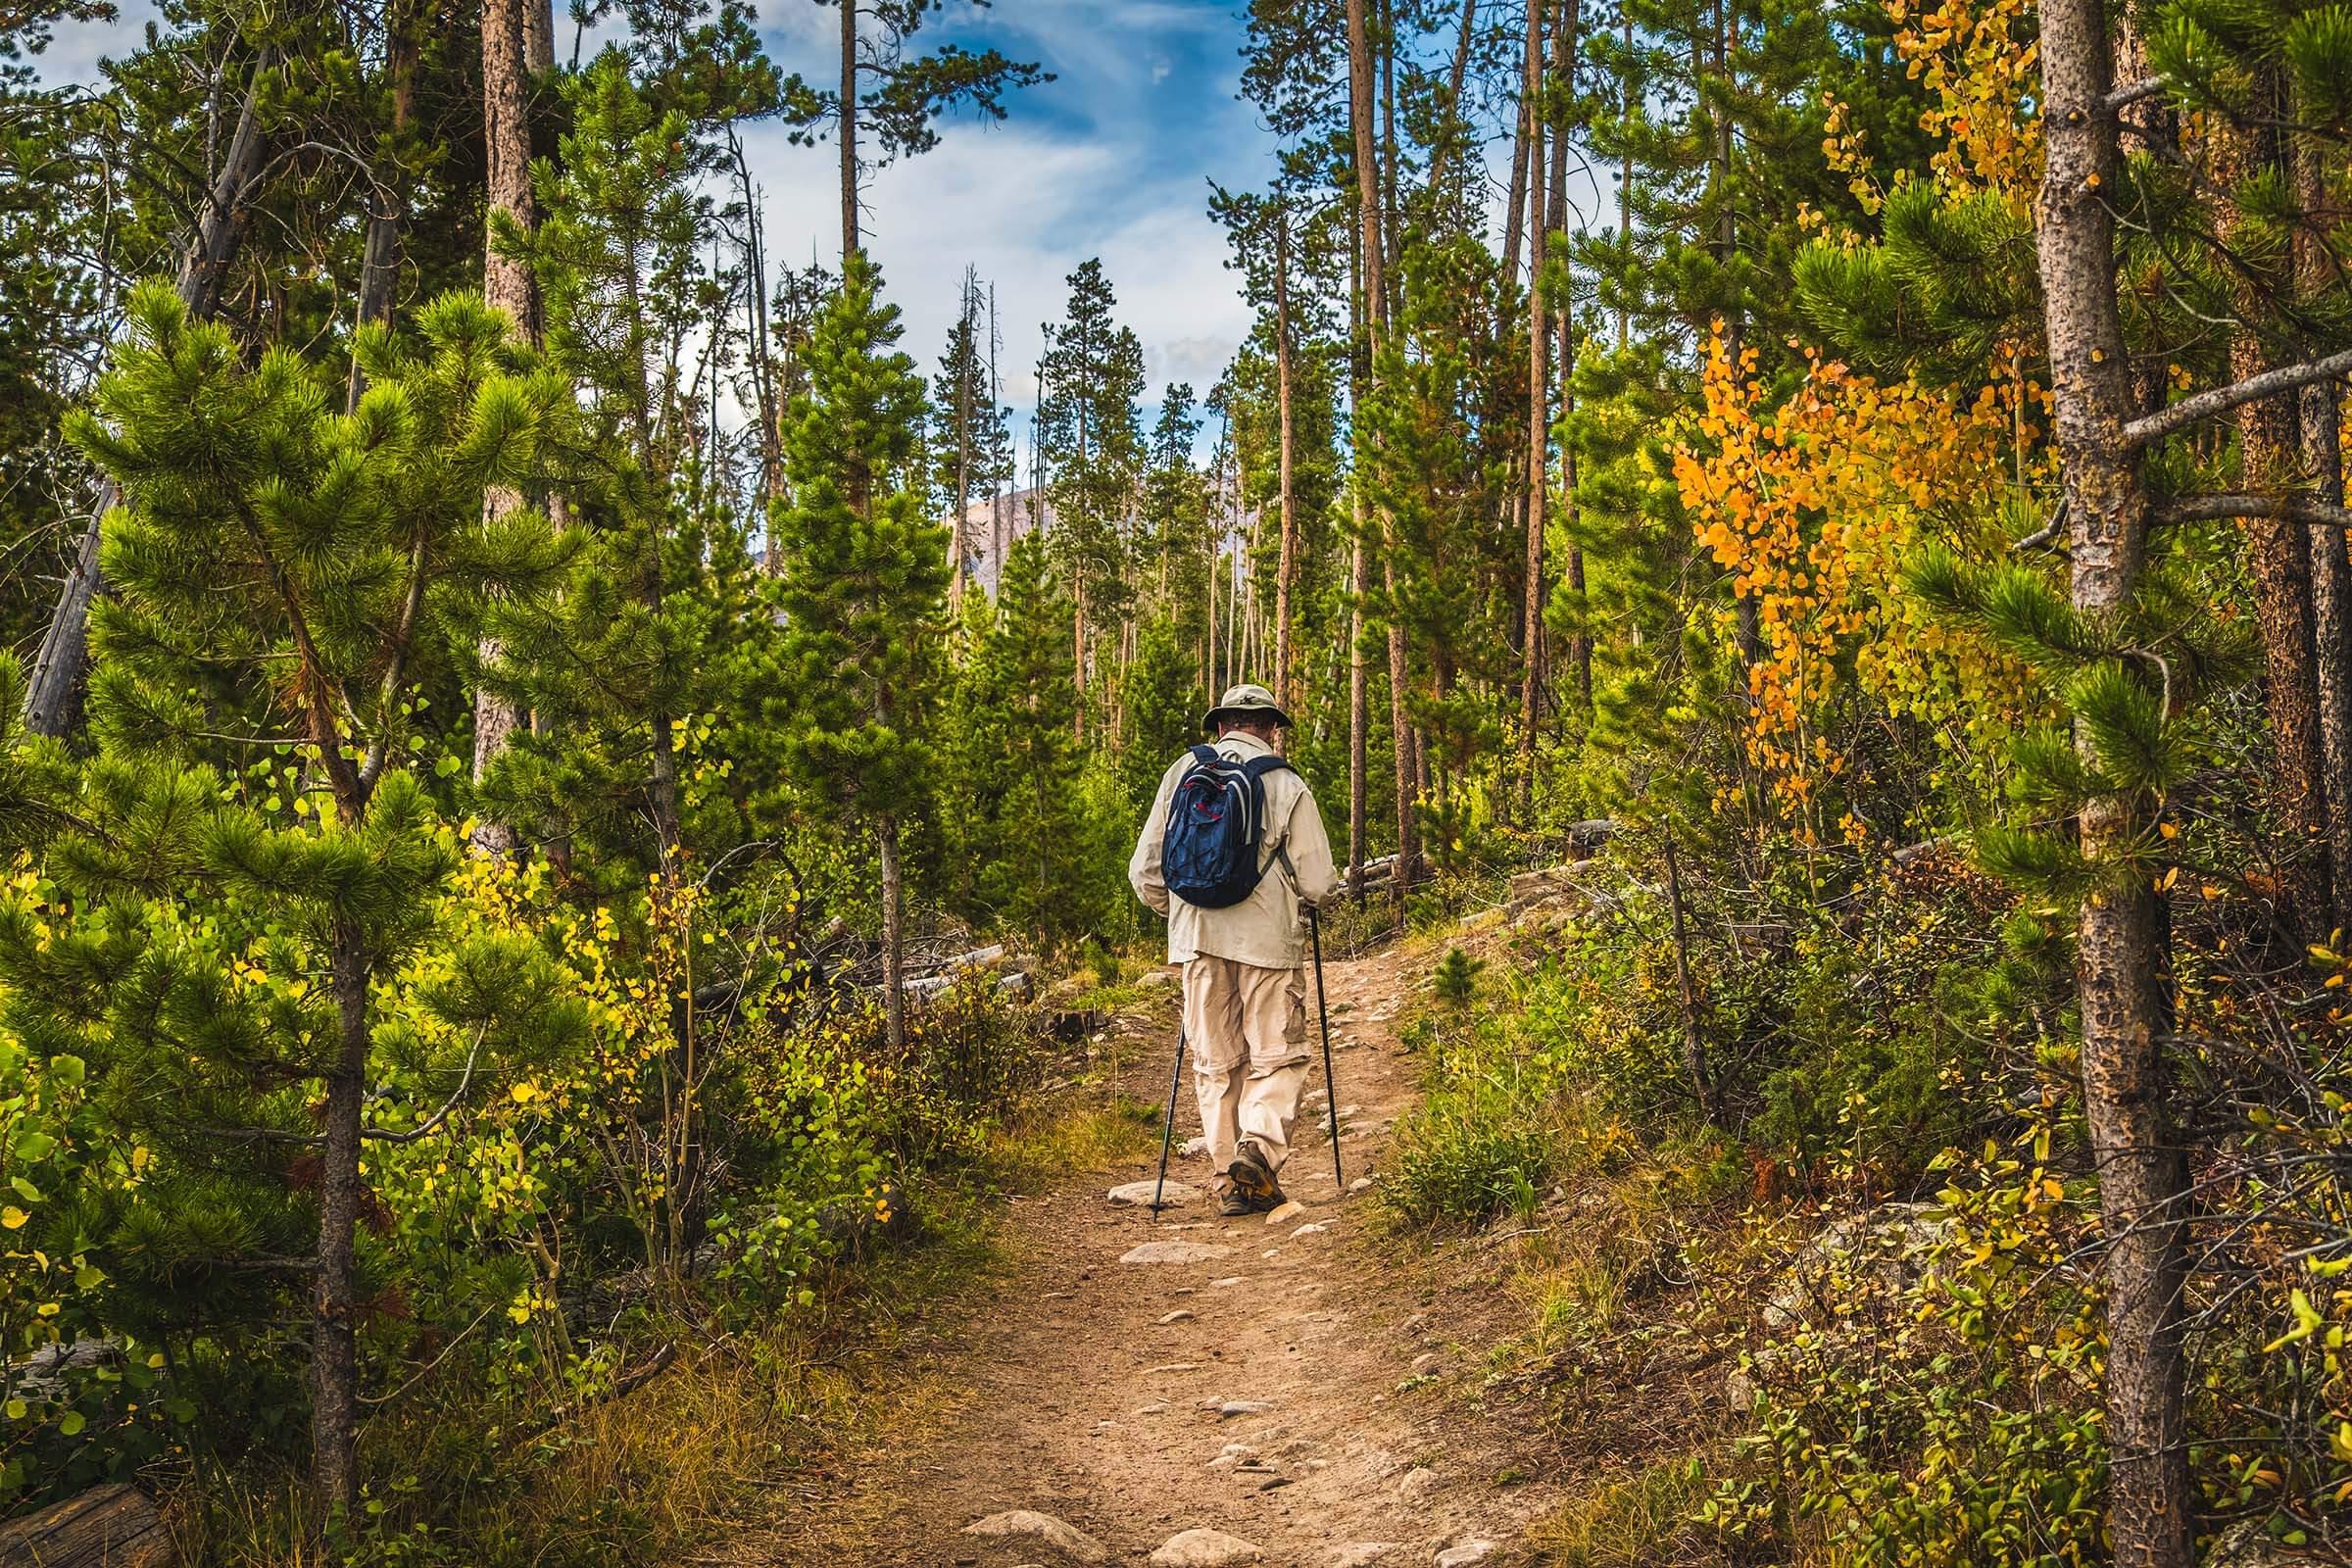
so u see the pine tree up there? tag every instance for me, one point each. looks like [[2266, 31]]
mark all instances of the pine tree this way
[[861, 585], [1090, 446], [282, 570], [1043, 867]]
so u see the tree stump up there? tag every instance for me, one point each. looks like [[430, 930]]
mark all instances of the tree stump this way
[[104, 1527]]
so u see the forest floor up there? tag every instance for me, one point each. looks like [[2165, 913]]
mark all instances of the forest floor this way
[[1311, 1387]]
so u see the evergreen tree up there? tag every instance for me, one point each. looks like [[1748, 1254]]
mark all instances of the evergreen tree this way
[[1037, 853], [862, 576], [1090, 448], [281, 572]]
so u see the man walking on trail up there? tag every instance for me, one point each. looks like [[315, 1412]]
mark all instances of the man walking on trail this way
[[1242, 944]]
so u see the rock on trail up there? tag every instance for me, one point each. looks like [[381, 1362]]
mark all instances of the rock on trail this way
[[1203, 1549], [1065, 1538], [1174, 1253], [1138, 1195]]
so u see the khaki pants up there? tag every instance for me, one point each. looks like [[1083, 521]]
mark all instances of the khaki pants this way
[[1246, 1030]]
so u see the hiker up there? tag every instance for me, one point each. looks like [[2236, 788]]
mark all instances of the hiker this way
[[1244, 858]]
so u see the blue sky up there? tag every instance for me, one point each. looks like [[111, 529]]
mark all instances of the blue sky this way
[[1110, 159]]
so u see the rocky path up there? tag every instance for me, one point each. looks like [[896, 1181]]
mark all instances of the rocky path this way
[[1188, 1390]]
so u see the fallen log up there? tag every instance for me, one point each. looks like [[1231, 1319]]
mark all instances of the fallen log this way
[[106, 1527]]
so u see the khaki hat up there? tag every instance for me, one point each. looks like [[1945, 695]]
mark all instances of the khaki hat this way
[[1246, 703]]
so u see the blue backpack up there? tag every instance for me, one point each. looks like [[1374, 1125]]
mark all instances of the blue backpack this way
[[1216, 829]]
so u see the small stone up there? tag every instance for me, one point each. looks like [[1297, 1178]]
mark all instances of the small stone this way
[[1180, 1315], [1156, 1407], [1313, 1227], [1290, 1208], [1174, 1253], [1462, 1553], [1425, 1360], [1138, 1195], [1416, 1482], [1203, 1549], [1234, 1408], [1362, 1184], [1356, 1555], [1231, 1455], [1069, 1538], [1226, 1283]]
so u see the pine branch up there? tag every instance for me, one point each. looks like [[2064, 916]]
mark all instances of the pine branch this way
[[2177, 416], [2288, 508], [2130, 93]]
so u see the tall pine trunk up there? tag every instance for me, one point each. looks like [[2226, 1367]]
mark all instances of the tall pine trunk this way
[[849, 129], [1539, 407], [1563, 68], [507, 285], [894, 932], [2322, 430], [53, 689], [334, 1306], [2142, 1176], [1368, 205], [1359, 707], [2279, 551], [1286, 569]]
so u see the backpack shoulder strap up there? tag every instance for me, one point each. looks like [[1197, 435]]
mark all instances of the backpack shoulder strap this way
[[1206, 757], [1258, 767]]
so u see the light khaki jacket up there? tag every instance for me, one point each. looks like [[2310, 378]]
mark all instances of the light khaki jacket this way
[[1267, 928]]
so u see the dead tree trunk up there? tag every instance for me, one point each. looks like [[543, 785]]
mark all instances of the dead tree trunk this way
[[106, 1527], [848, 129], [53, 690], [2142, 1176]]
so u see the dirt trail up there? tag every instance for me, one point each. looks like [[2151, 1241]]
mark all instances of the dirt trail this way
[[1253, 1390]]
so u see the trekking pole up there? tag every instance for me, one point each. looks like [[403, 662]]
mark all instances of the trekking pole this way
[[1167, 1127], [1331, 1088]]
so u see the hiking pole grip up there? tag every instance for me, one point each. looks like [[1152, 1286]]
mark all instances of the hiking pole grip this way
[[1330, 1087], [1168, 1126]]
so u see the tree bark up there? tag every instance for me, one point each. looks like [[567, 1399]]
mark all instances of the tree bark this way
[[1287, 570], [507, 285], [1563, 68], [106, 1527], [2322, 430], [53, 689], [2142, 1177], [849, 129], [2277, 549], [1360, 708], [334, 1310], [1539, 407], [894, 932], [1368, 206], [379, 258]]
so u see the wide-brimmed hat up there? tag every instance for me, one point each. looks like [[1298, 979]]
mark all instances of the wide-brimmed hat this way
[[1246, 704]]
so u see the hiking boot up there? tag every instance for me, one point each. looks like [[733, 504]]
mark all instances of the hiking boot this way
[[1253, 1178], [1236, 1204]]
